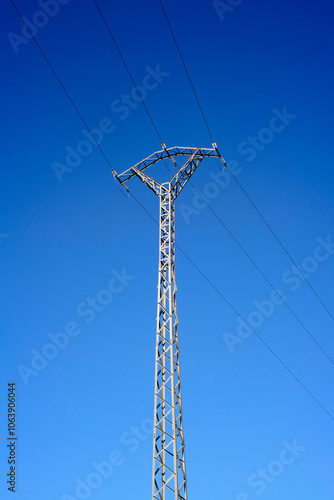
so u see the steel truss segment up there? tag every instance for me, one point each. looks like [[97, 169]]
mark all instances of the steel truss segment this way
[[169, 476], [183, 175], [149, 181]]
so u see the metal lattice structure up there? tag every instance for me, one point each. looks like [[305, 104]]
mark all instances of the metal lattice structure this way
[[169, 468]]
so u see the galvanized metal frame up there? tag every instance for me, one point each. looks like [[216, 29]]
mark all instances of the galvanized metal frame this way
[[169, 480]]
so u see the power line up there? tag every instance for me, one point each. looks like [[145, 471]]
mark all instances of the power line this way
[[280, 243], [244, 191], [241, 317], [232, 307], [186, 70], [131, 77], [126, 67], [60, 83], [262, 274]]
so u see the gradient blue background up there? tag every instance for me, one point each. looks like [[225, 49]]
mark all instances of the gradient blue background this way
[[63, 240]]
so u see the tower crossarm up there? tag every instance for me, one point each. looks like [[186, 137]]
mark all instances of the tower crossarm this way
[[167, 154]]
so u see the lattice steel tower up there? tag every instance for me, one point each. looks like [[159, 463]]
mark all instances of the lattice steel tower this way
[[169, 480]]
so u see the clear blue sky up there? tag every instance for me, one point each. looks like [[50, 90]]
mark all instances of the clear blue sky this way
[[263, 72]]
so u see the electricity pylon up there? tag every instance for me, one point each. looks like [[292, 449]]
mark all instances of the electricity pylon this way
[[169, 480]]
